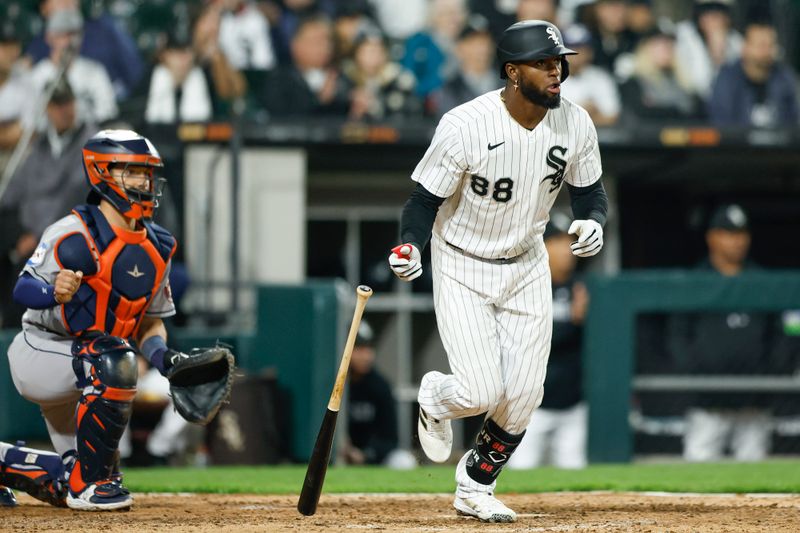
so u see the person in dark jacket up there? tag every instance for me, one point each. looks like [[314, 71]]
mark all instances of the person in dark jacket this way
[[311, 85], [736, 342], [756, 91], [475, 50], [557, 432], [372, 415], [49, 182]]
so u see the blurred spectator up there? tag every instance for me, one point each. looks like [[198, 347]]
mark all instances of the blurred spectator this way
[[430, 53], [351, 16], [372, 414], [658, 88], [244, 35], [290, 15], [557, 432], [311, 85], [475, 51], [500, 13], [591, 87], [178, 88], [381, 88], [103, 40], [400, 19], [608, 25], [707, 42], [537, 10], [88, 79], [725, 343], [227, 82], [640, 19], [48, 183], [758, 90], [16, 104], [168, 437]]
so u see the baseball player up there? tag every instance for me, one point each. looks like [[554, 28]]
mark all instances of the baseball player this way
[[484, 190], [97, 282]]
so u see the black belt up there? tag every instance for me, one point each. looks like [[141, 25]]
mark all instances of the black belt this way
[[498, 261]]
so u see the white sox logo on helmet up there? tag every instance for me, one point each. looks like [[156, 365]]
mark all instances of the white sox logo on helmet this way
[[551, 34]]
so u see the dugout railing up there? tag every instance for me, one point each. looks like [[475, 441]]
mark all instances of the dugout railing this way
[[610, 342]]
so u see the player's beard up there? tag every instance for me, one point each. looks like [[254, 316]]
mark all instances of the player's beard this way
[[540, 98]]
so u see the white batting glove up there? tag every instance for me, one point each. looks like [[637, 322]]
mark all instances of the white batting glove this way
[[590, 237], [406, 262]]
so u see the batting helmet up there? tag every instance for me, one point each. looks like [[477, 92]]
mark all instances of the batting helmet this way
[[529, 40], [122, 147]]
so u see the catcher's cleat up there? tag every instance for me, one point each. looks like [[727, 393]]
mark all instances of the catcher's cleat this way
[[37, 472], [7, 498], [485, 507], [435, 437], [101, 496]]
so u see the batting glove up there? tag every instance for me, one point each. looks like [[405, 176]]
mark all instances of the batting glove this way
[[406, 262], [590, 237]]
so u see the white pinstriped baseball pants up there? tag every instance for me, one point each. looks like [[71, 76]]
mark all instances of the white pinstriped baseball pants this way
[[495, 321]]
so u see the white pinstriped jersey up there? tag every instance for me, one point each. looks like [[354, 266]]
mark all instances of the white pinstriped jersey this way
[[501, 179]]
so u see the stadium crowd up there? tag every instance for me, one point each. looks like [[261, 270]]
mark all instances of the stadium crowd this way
[[157, 61]]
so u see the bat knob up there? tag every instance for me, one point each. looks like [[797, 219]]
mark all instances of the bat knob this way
[[363, 290]]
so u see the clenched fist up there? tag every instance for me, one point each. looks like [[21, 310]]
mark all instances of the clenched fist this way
[[590, 237], [66, 285], [406, 262]]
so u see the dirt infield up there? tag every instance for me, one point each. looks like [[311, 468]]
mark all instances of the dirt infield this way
[[413, 513]]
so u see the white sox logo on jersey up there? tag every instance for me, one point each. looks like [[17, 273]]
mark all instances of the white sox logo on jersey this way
[[556, 163], [551, 34]]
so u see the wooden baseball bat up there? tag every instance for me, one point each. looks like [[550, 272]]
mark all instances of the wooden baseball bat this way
[[320, 456]]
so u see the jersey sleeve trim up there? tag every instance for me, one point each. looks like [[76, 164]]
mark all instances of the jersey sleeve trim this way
[[162, 314]]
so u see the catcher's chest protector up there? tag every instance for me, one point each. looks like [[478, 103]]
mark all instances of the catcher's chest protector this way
[[122, 271]]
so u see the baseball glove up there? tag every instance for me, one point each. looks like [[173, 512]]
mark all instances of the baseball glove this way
[[200, 382]]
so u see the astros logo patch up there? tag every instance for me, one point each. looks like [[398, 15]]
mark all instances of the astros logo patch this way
[[38, 255]]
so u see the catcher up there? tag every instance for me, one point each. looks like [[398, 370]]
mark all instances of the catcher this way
[[96, 290]]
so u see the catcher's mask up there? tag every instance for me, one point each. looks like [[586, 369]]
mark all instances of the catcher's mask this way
[[124, 168]]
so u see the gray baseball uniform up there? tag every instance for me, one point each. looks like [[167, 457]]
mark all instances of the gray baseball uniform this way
[[40, 357]]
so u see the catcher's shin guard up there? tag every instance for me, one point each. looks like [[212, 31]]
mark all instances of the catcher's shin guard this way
[[491, 451], [39, 473], [105, 407]]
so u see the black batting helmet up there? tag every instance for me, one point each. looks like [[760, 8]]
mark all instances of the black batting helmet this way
[[529, 40]]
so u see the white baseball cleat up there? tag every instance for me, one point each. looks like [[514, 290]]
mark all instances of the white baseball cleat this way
[[485, 507], [435, 436], [104, 496]]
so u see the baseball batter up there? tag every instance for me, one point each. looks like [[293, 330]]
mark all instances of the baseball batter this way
[[484, 190], [96, 284]]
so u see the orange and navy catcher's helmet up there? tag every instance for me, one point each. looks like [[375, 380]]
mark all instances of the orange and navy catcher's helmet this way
[[123, 148]]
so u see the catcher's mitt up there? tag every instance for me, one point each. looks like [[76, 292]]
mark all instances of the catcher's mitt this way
[[200, 382]]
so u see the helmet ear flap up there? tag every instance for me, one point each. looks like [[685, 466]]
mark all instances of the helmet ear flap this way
[[564, 68]]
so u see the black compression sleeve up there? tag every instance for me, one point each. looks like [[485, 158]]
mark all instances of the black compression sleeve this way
[[419, 213], [589, 202]]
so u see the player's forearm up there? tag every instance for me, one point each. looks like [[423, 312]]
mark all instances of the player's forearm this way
[[151, 327], [33, 293], [589, 202], [418, 216], [152, 342]]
